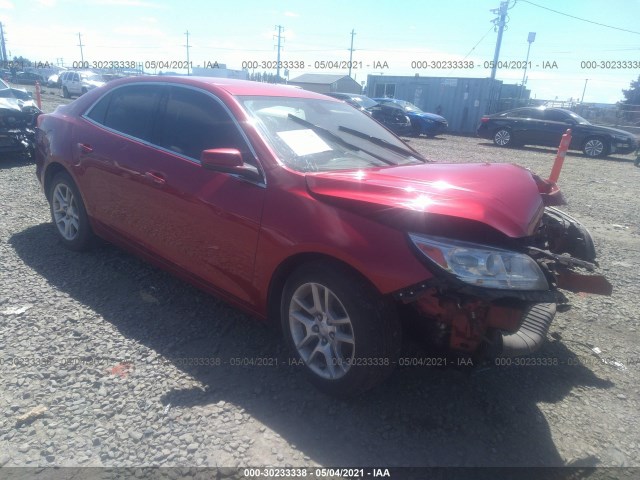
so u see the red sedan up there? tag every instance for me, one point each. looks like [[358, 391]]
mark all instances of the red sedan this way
[[298, 208]]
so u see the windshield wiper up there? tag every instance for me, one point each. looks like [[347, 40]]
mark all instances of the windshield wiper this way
[[380, 142], [337, 138]]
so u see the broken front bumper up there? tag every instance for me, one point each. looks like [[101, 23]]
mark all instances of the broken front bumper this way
[[494, 322]]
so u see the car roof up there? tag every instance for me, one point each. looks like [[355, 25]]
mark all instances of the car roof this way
[[540, 108], [231, 86]]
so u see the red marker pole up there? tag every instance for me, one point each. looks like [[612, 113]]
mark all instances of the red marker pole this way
[[38, 97], [562, 151]]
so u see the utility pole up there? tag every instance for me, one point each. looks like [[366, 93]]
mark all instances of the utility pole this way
[[351, 50], [280, 30], [187, 45], [81, 45], [499, 23], [3, 49], [584, 89], [504, 6]]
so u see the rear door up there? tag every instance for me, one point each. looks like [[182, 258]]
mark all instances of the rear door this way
[[525, 124], [111, 144]]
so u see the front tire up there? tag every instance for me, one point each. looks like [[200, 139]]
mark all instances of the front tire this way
[[68, 213], [595, 147], [345, 333], [503, 138]]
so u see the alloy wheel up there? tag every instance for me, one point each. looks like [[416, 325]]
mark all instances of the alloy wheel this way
[[65, 212], [502, 138], [593, 147], [321, 330]]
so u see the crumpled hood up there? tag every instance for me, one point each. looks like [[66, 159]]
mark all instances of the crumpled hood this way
[[502, 196], [10, 104]]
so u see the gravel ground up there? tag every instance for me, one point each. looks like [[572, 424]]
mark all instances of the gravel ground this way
[[106, 361]]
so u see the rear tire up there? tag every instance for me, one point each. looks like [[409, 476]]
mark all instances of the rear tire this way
[[68, 213], [503, 138], [65, 92], [345, 334], [595, 147]]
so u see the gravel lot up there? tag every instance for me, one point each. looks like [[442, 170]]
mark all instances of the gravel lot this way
[[99, 358]]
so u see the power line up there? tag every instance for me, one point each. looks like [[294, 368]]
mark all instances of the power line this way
[[581, 19], [483, 37]]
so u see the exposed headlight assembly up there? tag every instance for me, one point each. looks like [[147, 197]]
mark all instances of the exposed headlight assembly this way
[[481, 265]]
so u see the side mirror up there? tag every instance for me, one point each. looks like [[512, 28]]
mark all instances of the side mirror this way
[[228, 160], [221, 158]]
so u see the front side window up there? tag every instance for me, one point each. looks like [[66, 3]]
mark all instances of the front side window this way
[[524, 113], [311, 135], [194, 121], [556, 116]]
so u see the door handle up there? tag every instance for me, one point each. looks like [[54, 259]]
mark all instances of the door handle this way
[[155, 177], [84, 148]]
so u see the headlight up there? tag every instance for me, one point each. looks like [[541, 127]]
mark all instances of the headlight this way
[[621, 138], [481, 265]]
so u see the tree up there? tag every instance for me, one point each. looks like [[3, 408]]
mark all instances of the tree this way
[[22, 61], [631, 104]]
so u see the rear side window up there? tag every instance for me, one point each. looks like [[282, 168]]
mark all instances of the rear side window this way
[[193, 122], [131, 110], [99, 110]]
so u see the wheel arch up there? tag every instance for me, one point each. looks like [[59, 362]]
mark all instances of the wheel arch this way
[[289, 265], [502, 127], [52, 170], [606, 141]]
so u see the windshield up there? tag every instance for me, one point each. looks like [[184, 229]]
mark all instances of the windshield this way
[[366, 102], [311, 135], [406, 106], [409, 107]]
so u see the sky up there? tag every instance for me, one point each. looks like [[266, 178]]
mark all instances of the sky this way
[[390, 37]]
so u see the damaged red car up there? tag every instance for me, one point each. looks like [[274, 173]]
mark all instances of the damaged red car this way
[[298, 208]]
